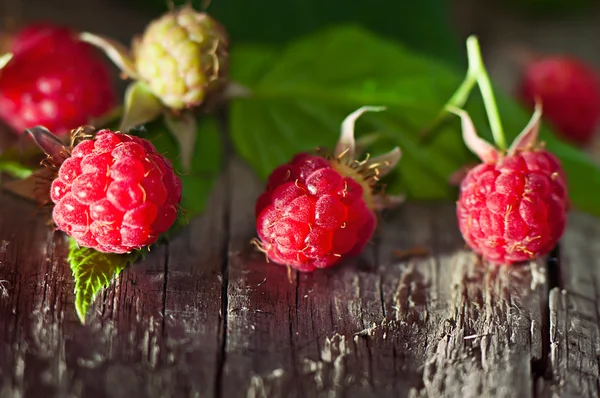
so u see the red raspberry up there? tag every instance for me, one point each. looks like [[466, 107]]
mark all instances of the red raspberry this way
[[43, 35], [316, 211], [53, 80], [512, 207], [570, 93], [115, 193]]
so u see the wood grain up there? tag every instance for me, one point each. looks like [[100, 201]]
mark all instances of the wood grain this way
[[574, 333], [206, 315]]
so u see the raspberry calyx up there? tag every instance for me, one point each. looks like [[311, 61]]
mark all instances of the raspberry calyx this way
[[318, 210]]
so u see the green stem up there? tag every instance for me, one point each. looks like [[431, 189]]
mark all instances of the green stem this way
[[485, 86], [15, 169], [459, 98]]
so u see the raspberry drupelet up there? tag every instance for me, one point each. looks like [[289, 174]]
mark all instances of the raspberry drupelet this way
[[570, 92], [113, 192], [55, 80], [512, 207], [316, 211]]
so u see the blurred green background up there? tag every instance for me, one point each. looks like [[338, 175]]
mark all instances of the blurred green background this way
[[421, 24]]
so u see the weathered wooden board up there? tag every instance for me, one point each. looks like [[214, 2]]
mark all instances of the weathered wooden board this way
[[205, 315], [574, 333]]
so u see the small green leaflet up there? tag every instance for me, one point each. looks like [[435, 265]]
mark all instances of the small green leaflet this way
[[15, 169], [93, 271], [301, 94]]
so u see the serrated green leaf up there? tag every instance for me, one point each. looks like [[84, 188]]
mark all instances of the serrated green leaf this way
[[15, 169], [205, 164], [301, 94], [93, 271]]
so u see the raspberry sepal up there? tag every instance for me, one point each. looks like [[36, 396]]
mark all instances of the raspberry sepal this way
[[5, 59]]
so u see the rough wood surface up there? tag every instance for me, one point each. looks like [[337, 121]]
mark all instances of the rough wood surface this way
[[205, 315], [574, 333]]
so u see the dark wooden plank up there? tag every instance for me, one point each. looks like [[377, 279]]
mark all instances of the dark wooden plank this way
[[439, 325], [31, 308], [258, 342], [443, 325], [473, 328], [193, 302], [574, 331], [137, 341]]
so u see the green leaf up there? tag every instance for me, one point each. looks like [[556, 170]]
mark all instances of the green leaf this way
[[301, 94], [205, 164], [93, 271], [15, 169]]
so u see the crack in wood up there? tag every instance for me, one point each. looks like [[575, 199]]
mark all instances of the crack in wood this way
[[223, 315], [540, 367], [165, 283], [573, 313]]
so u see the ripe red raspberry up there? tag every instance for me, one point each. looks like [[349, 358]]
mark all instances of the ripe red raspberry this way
[[570, 93], [115, 193], [53, 80], [317, 211], [43, 35], [512, 207]]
